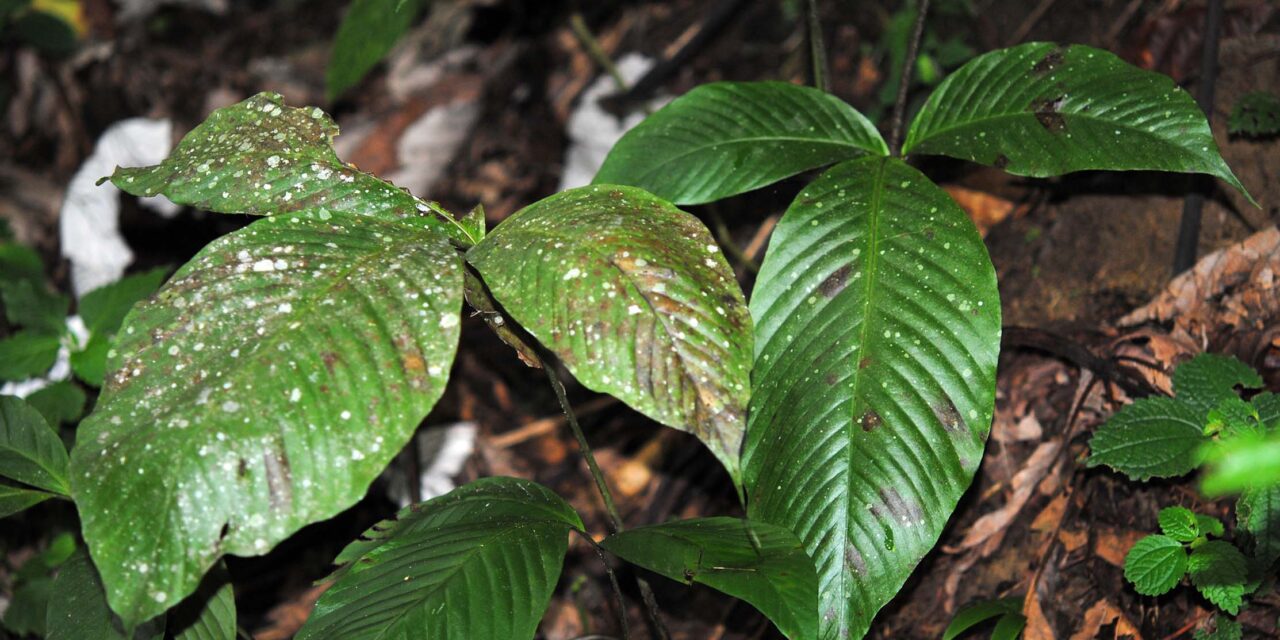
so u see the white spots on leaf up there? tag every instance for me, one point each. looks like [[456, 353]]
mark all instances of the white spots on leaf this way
[[572, 273], [448, 321], [264, 265], [295, 395], [345, 415], [633, 310], [230, 406]]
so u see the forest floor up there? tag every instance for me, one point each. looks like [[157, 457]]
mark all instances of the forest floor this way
[[1074, 256]]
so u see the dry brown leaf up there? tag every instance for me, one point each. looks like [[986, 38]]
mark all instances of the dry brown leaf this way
[[986, 210], [1051, 515], [1023, 485], [1072, 540], [1103, 613], [1038, 627], [1112, 545]]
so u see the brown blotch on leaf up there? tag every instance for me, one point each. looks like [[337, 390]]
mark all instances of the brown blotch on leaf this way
[[1046, 110], [242, 469], [1001, 161], [864, 363], [897, 507], [831, 379], [836, 282], [870, 421], [946, 412], [853, 560], [329, 358], [1050, 61]]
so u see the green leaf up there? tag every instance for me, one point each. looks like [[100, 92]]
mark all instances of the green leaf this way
[[25, 614], [27, 354], [1224, 628], [1241, 462], [1155, 565], [636, 299], [19, 263], [1041, 109], [264, 158], [29, 304], [726, 138], [30, 452], [78, 607], [1009, 627], [60, 403], [478, 563], [1219, 571], [760, 563], [263, 388], [1256, 114], [1258, 513], [104, 308], [15, 499], [1179, 523], [1151, 438], [1209, 525], [1207, 379], [877, 333], [210, 612], [90, 363], [1268, 406], [1233, 416], [368, 31], [974, 614]]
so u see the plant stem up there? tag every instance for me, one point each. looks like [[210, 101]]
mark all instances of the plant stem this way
[[1184, 256], [904, 78], [549, 366], [613, 580], [594, 50], [817, 50]]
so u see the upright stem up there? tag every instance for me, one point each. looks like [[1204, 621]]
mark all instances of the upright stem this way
[[904, 78], [615, 521], [596, 51], [613, 580], [817, 50], [1184, 256]]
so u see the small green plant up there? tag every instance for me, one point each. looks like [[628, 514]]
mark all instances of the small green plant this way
[[1157, 563], [1256, 115], [278, 372], [1007, 613]]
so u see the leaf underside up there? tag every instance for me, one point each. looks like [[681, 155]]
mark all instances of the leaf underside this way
[[726, 138], [877, 328], [635, 297], [764, 564], [478, 563], [262, 389], [1041, 109]]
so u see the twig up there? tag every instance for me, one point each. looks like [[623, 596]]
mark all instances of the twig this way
[[1121, 22], [1184, 256], [549, 365], [817, 50], [544, 426], [1030, 21], [904, 78], [1078, 355], [595, 51], [725, 238], [613, 580]]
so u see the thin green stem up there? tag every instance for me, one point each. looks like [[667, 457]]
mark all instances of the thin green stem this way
[[613, 580], [904, 78], [594, 50], [817, 50], [548, 366]]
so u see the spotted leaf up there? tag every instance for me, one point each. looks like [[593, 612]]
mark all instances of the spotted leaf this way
[[263, 388], [877, 330], [636, 299]]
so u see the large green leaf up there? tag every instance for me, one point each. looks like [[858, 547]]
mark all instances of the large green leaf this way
[[726, 138], [31, 452], [636, 299], [78, 607], [478, 563], [263, 388], [1151, 438], [264, 158], [877, 331], [368, 31], [1041, 109], [764, 564]]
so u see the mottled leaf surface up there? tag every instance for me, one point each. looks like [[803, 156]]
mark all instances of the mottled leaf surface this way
[[1041, 109], [726, 138], [30, 451], [1151, 438], [763, 564], [264, 158], [877, 331], [636, 299], [478, 563], [263, 388]]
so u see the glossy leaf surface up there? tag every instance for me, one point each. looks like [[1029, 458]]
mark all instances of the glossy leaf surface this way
[[1041, 109], [877, 331], [760, 563], [478, 563], [1155, 564], [1151, 438], [726, 138], [636, 299], [263, 388]]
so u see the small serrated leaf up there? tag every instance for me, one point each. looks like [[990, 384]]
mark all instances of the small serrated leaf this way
[[29, 304], [60, 403], [1219, 571], [1155, 565], [1207, 379], [1179, 523], [1209, 525], [1151, 438], [104, 308], [1256, 114], [1224, 628], [1258, 513]]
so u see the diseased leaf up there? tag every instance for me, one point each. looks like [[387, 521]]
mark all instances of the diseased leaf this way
[[726, 138], [636, 299], [264, 158], [976, 613], [31, 452], [263, 388], [209, 613], [877, 332], [1218, 570], [478, 563], [1155, 565], [60, 403], [78, 607], [1151, 438], [1208, 379], [368, 31], [15, 499], [27, 354], [1042, 109], [1258, 513], [760, 563], [1179, 523]]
